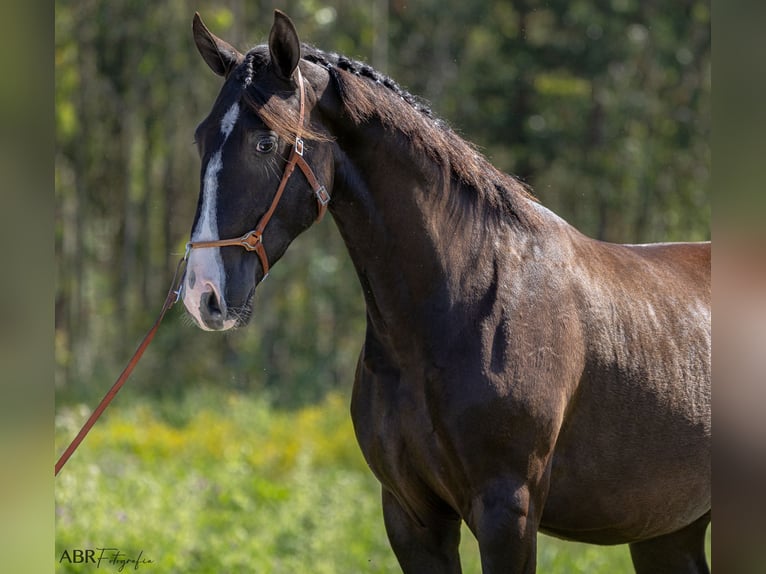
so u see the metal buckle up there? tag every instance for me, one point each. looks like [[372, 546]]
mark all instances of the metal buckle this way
[[322, 196], [178, 292], [299, 146], [249, 245]]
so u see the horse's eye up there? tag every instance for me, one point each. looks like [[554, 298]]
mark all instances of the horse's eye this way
[[266, 144]]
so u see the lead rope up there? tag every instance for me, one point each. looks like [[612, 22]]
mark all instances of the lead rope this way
[[174, 294]]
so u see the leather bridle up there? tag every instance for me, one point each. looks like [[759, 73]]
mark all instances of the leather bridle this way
[[253, 240]]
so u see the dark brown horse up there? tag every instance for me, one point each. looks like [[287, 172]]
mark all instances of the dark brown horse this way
[[515, 375]]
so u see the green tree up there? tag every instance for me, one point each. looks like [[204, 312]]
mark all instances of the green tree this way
[[602, 106]]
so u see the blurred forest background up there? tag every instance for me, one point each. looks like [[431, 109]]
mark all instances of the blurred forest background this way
[[603, 106], [235, 452]]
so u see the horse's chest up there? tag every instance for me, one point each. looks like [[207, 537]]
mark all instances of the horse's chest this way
[[398, 438], [385, 416]]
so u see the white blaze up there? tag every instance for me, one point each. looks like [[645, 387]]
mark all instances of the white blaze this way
[[205, 264], [229, 121]]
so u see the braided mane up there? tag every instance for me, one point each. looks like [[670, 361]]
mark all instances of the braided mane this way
[[368, 95]]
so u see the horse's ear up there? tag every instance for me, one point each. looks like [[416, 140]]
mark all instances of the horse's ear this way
[[284, 46], [221, 56]]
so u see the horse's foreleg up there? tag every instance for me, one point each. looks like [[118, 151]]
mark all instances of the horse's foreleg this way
[[504, 522], [681, 552], [422, 549]]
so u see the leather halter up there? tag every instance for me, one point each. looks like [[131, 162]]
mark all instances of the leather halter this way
[[253, 240]]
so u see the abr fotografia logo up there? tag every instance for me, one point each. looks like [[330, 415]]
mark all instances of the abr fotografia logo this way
[[106, 557]]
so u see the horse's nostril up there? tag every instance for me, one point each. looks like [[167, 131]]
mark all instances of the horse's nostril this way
[[212, 310], [212, 304]]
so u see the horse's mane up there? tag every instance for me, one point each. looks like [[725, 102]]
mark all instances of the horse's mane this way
[[367, 94]]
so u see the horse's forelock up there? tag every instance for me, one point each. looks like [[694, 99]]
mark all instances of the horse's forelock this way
[[273, 107]]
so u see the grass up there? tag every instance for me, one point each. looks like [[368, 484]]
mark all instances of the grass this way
[[223, 483]]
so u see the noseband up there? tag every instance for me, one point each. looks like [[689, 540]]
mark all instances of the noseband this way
[[253, 240]]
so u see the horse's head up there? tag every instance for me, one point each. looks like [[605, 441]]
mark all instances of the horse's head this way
[[250, 207]]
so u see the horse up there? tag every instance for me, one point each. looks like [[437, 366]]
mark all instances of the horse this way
[[516, 375]]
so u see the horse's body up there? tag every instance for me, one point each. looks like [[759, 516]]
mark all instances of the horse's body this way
[[516, 374]]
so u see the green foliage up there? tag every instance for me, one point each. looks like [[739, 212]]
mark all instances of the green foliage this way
[[603, 107], [225, 486], [222, 482]]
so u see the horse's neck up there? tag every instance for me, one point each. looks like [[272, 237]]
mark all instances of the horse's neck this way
[[417, 246]]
